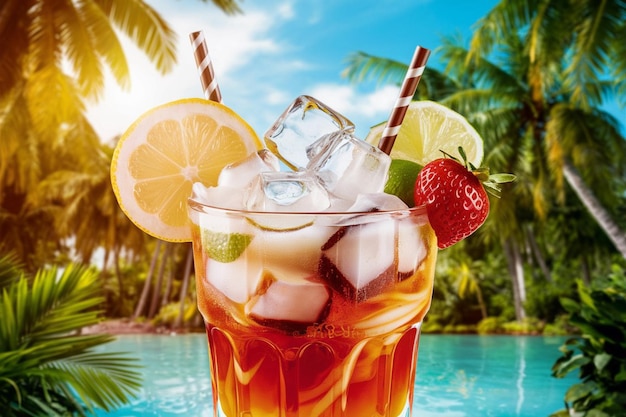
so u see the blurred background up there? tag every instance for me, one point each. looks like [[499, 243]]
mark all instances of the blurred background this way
[[544, 83]]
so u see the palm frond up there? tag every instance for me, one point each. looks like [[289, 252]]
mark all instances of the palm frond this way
[[19, 157], [478, 71], [80, 36], [101, 380], [592, 142], [435, 85], [44, 46], [227, 6], [149, 31], [15, 42], [10, 270], [617, 72], [598, 24], [362, 66], [49, 84], [46, 366], [505, 17], [549, 30]]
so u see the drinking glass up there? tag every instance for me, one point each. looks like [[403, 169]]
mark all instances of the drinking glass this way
[[312, 314]]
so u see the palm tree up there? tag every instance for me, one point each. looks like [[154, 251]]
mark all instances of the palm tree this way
[[45, 135], [576, 49], [526, 131]]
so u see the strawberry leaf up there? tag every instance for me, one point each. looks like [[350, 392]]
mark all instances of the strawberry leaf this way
[[502, 178]]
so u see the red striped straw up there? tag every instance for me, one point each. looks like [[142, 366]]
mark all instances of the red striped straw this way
[[409, 85], [205, 67]]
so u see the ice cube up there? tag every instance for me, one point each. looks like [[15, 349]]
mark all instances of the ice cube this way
[[364, 203], [358, 261], [240, 174], [301, 124], [287, 304], [237, 280], [224, 196], [277, 249], [377, 202], [286, 191], [339, 204], [411, 247], [348, 166]]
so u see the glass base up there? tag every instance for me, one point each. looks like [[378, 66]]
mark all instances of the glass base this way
[[406, 412], [265, 376]]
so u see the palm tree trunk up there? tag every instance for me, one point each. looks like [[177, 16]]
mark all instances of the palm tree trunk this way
[[599, 213], [143, 300], [584, 264], [120, 282], [156, 293], [481, 303], [183, 291], [516, 272], [537, 255], [168, 287]]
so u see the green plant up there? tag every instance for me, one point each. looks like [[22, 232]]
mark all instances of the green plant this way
[[169, 313], [599, 355], [47, 368], [560, 327], [530, 325], [489, 325], [431, 325]]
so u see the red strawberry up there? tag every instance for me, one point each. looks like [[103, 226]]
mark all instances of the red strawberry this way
[[456, 202]]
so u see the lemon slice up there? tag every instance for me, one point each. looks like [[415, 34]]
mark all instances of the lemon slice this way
[[165, 151], [429, 128]]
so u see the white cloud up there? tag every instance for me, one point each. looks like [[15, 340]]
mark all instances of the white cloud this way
[[276, 97], [347, 100], [365, 109], [285, 10]]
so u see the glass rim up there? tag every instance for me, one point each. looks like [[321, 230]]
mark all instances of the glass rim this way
[[204, 207]]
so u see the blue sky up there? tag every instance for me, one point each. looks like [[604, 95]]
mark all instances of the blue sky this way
[[279, 49]]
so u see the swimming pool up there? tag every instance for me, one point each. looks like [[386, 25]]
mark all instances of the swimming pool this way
[[457, 376]]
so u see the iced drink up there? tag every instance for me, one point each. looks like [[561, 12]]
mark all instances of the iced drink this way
[[312, 282], [320, 319]]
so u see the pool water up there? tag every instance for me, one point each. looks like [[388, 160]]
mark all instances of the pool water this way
[[457, 376]]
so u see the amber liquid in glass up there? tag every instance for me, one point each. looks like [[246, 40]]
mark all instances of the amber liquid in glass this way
[[357, 359]]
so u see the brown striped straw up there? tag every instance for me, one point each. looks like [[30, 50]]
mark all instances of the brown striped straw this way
[[205, 67], [409, 85]]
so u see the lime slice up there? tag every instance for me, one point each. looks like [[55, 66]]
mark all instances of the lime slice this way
[[225, 247], [429, 128], [401, 181]]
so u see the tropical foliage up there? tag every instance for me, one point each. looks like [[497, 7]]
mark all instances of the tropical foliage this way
[[599, 356], [46, 366]]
